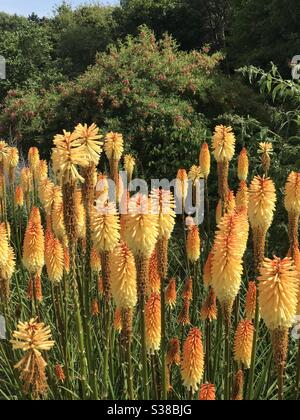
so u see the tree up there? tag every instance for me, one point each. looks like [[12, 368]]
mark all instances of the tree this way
[[266, 31]]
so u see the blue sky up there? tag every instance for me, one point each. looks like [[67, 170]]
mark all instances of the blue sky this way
[[41, 7]]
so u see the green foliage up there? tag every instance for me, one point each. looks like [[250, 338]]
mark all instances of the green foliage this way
[[79, 34], [264, 31], [27, 49]]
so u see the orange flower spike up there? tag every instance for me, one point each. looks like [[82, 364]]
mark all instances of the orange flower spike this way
[[243, 343], [184, 316], [204, 160], [153, 323], [292, 193], [242, 197], [207, 392], [173, 353], [238, 388], [209, 310], [19, 196], [34, 243], [193, 243], [154, 277], [118, 320], [207, 273], [171, 293], [192, 365], [95, 261], [187, 293], [243, 165], [54, 257]]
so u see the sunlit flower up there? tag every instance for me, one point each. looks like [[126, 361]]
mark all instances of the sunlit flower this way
[[204, 160], [193, 243], [292, 193], [54, 257], [243, 165], [262, 200], [34, 245], [278, 292], [229, 248], [243, 343], [207, 392], [32, 337], [123, 277], [114, 146], [105, 227], [192, 364], [171, 293], [89, 137], [223, 143], [153, 323], [70, 153], [141, 226]]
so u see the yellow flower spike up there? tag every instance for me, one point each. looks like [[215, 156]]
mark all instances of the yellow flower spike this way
[[229, 248], [69, 154], [123, 277], [162, 204], [32, 338], [230, 204], [153, 323], [4, 246], [6, 273], [34, 244], [46, 194], [26, 180], [141, 226], [57, 215], [114, 146], [192, 364], [129, 164], [262, 200], [243, 343], [105, 227], [204, 160], [79, 215], [54, 257], [89, 137], [33, 159], [278, 292], [181, 186], [292, 193], [42, 172], [243, 165], [223, 143]]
